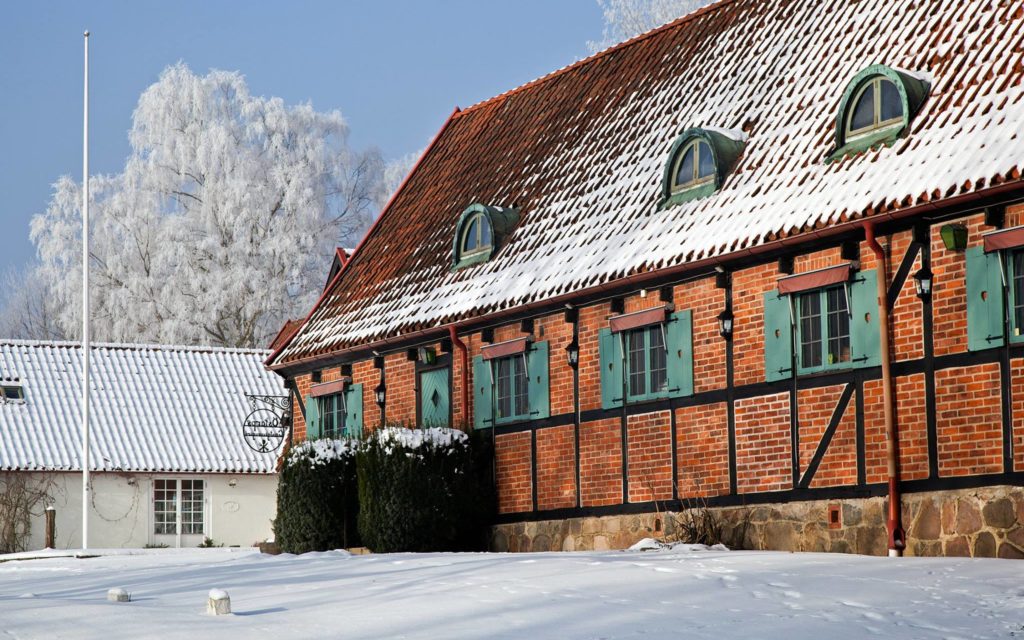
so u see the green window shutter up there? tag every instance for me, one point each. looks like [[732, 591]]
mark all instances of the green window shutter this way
[[679, 353], [312, 418], [985, 320], [537, 388], [483, 387], [354, 411], [865, 339], [778, 339], [610, 357]]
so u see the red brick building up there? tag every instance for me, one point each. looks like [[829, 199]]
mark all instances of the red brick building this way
[[703, 219]]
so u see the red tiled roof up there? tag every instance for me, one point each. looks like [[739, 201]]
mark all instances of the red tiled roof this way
[[581, 152], [288, 330]]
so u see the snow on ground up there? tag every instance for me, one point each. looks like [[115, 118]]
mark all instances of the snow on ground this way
[[690, 592]]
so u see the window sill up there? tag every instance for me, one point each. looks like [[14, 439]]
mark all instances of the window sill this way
[[866, 142], [652, 397], [476, 258], [511, 420], [693, 193]]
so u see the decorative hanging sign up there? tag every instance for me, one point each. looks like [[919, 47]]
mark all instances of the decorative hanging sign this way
[[267, 424]]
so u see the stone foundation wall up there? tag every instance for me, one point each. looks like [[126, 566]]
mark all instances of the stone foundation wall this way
[[985, 522]]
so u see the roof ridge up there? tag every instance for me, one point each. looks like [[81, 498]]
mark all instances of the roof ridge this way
[[127, 346], [693, 15]]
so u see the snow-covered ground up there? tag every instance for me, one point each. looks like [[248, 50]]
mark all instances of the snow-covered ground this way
[[682, 592]]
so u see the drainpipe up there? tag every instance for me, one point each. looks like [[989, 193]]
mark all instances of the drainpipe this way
[[461, 346], [897, 536]]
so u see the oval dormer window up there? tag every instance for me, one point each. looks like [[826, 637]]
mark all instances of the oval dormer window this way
[[694, 166], [876, 105], [477, 236]]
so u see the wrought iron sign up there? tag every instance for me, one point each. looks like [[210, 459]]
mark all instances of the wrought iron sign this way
[[267, 424]]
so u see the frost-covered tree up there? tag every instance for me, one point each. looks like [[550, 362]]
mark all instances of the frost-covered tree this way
[[396, 170], [221, 224], [624, 19], [27, 312]]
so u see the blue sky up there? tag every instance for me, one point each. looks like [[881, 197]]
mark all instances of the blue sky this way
[[395, 70]]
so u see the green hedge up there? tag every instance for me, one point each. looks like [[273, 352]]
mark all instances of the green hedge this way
[[423, 490], [317, 498]]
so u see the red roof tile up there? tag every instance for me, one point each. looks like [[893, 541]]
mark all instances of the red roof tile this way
[[581, 152]]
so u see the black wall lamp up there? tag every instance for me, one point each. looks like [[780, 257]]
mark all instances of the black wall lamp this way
[[923, 283], [725, 321], [572, 353]]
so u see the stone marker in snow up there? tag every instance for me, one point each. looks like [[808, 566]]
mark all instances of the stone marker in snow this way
[[218, 603], [118, 594]]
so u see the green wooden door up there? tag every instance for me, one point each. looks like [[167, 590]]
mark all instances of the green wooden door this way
[[435, 399]]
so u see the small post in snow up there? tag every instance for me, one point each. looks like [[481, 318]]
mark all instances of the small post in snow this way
[[218, 603]]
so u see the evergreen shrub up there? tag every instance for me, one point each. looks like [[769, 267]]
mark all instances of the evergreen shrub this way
[[317, 497], [424, 490]]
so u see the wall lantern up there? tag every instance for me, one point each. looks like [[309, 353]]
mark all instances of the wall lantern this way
[[572, 354], [381, 394], [954, 236], [923, 283], [427, 355], [725, 323]]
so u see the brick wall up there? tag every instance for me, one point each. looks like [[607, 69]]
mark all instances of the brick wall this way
[[601, 462], [649, 440], [969, 420], [815, 409], [763, 444], [513, 460], [702, 441], [556, 468]]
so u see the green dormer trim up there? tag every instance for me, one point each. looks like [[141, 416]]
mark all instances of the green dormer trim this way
[[726, 148], [913, 91], [500, 220]]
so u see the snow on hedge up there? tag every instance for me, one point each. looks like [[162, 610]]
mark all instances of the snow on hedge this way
[[439, 437], [322, 451]]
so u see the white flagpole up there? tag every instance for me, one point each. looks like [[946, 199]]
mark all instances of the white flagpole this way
[[85, 303]]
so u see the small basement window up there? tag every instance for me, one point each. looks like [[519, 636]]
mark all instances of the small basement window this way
[[12, 392]]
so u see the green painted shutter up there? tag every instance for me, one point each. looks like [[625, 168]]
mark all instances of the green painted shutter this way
[[985, 318], [778, 339], [865, 338], [679, 353], [354, 411], [482, 392], [610, 358], [312, 418], [537, 388]]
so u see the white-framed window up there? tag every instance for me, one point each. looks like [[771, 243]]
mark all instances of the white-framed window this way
[[179, 505]]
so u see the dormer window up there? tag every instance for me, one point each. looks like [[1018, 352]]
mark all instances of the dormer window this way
[[480, 232], [876, 109], [477, 236], [694, 166], [698, 162], [877, 105]]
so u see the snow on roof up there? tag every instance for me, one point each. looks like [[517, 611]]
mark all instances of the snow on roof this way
[[581, 154], [153, 408]]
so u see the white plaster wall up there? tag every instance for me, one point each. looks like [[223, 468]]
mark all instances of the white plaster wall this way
[[122, 509]]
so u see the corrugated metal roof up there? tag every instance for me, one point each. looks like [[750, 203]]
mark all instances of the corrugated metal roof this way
[[154, 408], [581, 154]]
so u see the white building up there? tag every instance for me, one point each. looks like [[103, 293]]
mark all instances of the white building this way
[[168, 461]]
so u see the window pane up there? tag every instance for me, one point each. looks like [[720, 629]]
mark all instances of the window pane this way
[[684, 174], [810, 330], [327, 416], [503, 387], [165, 496], [522, 403], [1018, 293], [637, 363], [470, 243], [659, 377], [707, 161], [892, 106], [838, 326], [864, 111], [485, 232]]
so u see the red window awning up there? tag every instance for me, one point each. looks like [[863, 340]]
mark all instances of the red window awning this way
[[328, 388], [638, 319], [1003, 239], [815, 279], [503, 349]]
